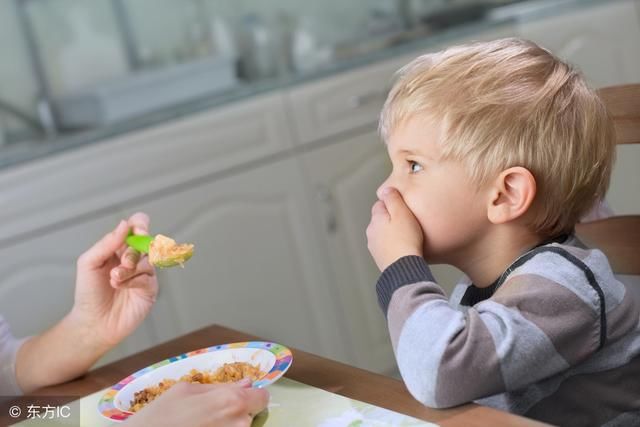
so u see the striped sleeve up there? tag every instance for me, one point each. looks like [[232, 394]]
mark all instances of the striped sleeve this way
[[540, 322]]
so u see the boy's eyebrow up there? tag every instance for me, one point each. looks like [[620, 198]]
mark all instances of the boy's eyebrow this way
[[415, 153], [409, 151]]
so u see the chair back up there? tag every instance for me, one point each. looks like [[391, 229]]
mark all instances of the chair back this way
[[619, 236]]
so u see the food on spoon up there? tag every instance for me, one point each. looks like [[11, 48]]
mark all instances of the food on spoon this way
[[165, 252]]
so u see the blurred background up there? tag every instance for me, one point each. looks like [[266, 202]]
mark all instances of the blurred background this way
[[248, 128]]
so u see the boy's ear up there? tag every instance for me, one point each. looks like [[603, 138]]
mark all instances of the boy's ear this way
[[511, 195]]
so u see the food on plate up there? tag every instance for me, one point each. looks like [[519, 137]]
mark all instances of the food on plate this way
[[227, 373]]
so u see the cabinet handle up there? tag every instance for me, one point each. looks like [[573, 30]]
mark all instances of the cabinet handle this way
[[328, 208]]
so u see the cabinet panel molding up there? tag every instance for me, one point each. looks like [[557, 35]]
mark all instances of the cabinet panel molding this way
[[106, 175]]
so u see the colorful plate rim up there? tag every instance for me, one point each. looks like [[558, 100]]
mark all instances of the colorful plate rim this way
[[284, 358]]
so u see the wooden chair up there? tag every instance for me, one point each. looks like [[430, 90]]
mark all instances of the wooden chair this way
[[619, 236]]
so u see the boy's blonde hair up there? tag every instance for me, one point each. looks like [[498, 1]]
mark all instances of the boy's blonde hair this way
[[511, 103]]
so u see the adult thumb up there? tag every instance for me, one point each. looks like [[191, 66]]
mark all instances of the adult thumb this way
[[106, 247]]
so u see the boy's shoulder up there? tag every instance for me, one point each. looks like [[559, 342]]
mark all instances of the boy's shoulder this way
[[555, 273], [560, 267], [568, 259]]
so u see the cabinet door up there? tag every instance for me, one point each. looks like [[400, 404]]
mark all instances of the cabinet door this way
[[38, 280], [100, 176], [344, 178], [255, 266], [342, 102], [602, 40], [351, 101]]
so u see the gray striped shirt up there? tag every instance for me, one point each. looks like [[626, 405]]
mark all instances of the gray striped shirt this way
[[559, 339]]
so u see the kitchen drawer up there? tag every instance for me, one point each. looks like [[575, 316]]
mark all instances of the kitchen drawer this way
[[339, 103], [141, 164], [354, 99]]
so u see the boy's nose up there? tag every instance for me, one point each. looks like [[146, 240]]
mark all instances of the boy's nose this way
[[389, 182], [384, 184]]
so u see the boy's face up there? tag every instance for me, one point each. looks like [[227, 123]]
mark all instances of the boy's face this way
[[450, 209]]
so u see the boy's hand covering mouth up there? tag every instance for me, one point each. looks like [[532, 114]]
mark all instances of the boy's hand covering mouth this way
[[393, 231]]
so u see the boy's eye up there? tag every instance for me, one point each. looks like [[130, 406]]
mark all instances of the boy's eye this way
[[414, 167]]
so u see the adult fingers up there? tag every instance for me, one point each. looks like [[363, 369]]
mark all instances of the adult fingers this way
[[105, 248], [125, 277], [139, 223], [256, 399], [129, 258], [244, 383]]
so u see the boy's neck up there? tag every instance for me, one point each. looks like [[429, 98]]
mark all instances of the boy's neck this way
[[496, 252]]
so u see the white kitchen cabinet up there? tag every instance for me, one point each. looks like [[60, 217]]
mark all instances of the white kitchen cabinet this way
[[344, 178], [256, 265], [338, 116], [351, 102], [96, 178], [279, 230], [38, 274], [343, 102], [55, 208], [602, 40]]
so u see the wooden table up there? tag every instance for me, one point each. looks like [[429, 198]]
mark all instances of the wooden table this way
[[307, 368]]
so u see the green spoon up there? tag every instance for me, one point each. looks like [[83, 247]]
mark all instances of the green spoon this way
[[140, 243]]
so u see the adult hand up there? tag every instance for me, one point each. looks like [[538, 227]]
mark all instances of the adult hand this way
[[115, 286], [115, 289], [393, 231], [200, 405]]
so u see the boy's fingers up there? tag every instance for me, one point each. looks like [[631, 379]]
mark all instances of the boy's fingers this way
[[106, 247], [379, 208], [393, 202]]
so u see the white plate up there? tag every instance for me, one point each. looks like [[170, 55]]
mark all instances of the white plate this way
[[272, 358]]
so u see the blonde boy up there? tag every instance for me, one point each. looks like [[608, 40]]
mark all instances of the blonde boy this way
[[498, 149]]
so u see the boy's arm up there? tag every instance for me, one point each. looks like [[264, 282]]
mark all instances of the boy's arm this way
[[530, 329]]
